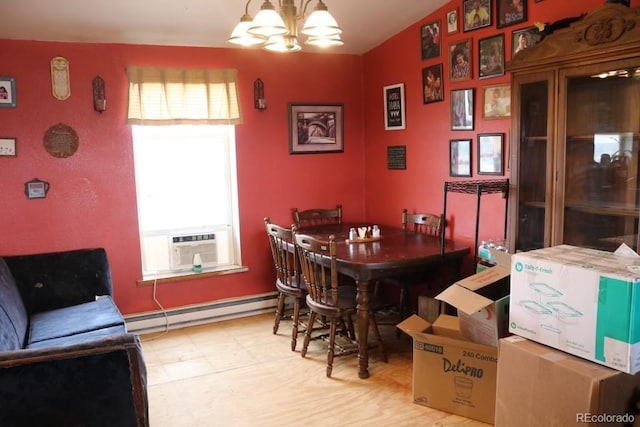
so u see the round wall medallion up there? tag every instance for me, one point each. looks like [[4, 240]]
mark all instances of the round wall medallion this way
[[61, 140]]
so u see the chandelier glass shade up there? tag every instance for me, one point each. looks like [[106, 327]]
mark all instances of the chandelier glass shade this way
[[278, 30]]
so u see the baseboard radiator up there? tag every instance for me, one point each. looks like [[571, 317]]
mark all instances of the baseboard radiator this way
[[192, 315]]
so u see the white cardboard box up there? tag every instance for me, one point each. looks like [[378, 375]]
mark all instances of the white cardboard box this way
[[582, 301]]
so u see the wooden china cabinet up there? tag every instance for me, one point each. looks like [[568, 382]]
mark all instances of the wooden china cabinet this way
[[575, 132]]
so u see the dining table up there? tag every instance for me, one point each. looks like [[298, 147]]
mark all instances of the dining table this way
[[395, 252]]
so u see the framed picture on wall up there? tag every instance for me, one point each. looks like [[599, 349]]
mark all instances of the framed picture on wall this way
[[460, 157], [524, 38], [7, 147], [453, 23], [460, 60], [315, 128], [491, 154], [462, 109], [510, 12], [7, 92], [432, 85], [496, 101], [491, 56], [476, 14], [394, 115], [430, 40]]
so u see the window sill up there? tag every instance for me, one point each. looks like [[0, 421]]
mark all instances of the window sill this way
[[189, 275]]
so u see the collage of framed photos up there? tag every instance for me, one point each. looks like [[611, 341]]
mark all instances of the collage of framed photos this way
[[455, 56]]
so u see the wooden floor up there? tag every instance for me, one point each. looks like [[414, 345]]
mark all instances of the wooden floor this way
[[237, 373]]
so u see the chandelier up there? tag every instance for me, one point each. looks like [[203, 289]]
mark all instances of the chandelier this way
[[278, 31]]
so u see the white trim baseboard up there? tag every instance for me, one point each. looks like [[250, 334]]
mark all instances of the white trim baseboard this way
[[216, 311]]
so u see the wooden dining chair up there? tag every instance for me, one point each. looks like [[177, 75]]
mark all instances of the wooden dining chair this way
[[337, 303], [426, 223], [317, 216], [289, 282]]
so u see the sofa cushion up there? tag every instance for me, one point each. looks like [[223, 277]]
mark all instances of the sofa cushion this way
[[76, 319], [13, 316], [79, 338]]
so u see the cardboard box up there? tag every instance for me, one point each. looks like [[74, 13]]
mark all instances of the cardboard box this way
[[582, 301], [482, 301], [542, 386], [429, 308], [449, 374]]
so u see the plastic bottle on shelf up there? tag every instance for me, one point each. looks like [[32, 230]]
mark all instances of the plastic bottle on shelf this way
[[375, 231], [352, 234]]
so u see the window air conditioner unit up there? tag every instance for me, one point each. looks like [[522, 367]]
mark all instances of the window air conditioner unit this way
[[183, 249]]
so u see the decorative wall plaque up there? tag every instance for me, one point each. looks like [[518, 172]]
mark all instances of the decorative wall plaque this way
[[60, 86], [397, 157], [61, 140]]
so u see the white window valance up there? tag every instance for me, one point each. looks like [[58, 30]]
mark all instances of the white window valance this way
[[172, 96]]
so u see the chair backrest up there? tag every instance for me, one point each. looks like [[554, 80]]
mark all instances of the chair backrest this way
[[426, 223], [317, 216], [318, 265], [285, 260]]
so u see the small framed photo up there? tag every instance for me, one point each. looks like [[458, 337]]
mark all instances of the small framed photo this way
[[460, 157], [476, 13], [462, 109], [460, 59], [430, 40], [496, 101], [394, 115], [491, 56], [524, 38], [8, 147], [510, 12], [315, 128], [7, 92], [491, 154], [453, 25], [433, 87]]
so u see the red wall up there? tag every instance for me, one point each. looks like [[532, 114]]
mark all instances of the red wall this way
[[427, 134], [92, 198]]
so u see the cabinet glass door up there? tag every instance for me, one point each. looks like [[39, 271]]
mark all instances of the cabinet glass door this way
[[601, 200], [533, 165]]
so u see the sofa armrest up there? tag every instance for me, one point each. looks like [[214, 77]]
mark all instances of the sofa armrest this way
[[59, 279], [101, 382]]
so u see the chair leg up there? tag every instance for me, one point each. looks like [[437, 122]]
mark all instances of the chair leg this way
[[376, 331], [332, 343], [307, 335], [296, 320], [279, 312]]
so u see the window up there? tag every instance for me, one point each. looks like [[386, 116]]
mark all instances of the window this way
[[185, 167], [187, 197]]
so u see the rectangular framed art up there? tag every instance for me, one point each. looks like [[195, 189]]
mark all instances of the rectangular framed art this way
[[476, 14], [460, 60], [510, 12], [315, 128], [491, 154], [430, 40], [453, 25], [432, 85], [460, 157], [496, 101], [7, 92], [491, 56], [462, 109], [7, 147], [394, 115], [524, 38]]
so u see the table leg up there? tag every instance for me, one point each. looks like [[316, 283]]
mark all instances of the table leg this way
[[362, 320]]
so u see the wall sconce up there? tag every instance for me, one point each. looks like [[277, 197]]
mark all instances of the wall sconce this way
[[99, 98], [258, 95]]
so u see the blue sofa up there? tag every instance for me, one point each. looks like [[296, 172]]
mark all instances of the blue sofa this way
[[66, 358]]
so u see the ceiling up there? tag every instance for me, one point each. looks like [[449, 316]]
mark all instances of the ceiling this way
[[365, 23]]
